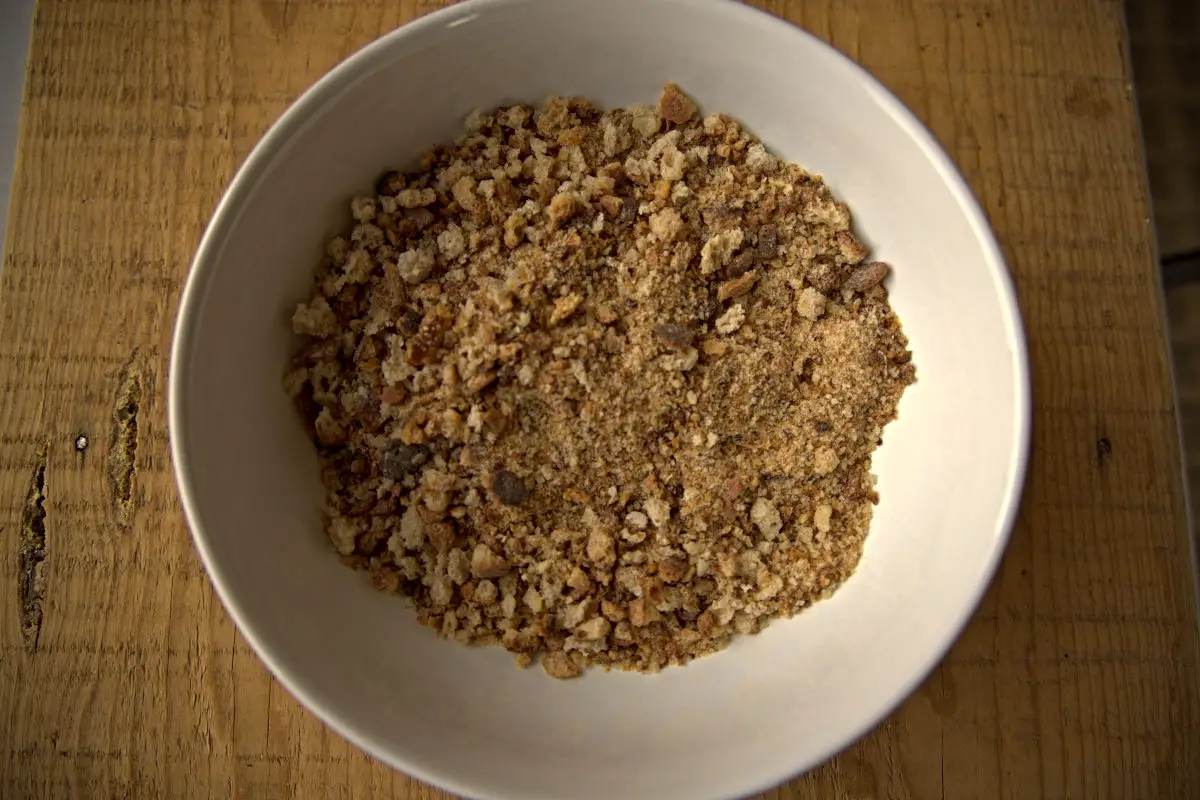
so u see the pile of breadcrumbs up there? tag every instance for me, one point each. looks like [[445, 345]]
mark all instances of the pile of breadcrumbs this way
[[600, 387]]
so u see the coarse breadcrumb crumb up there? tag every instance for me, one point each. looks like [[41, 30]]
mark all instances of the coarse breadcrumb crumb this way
[[600, 387]]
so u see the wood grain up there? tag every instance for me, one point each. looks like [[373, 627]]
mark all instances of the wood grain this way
[[1077, 677]]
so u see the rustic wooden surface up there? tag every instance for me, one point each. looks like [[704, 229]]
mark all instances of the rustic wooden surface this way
[[121, 675]]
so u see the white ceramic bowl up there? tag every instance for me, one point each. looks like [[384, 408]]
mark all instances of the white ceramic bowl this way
[[466, 719]]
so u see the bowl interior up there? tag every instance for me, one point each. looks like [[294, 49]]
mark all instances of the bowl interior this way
[[771, 705]]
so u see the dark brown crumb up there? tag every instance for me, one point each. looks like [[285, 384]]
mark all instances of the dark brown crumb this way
[[508, 488]]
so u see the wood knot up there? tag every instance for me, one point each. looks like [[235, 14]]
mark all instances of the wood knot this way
[[31, 552], [122, 454]]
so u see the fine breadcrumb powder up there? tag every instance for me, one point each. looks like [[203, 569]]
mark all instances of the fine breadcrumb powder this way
[[600, 387]]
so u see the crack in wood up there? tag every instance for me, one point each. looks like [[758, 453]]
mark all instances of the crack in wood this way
[[122, 453], [31, 552]]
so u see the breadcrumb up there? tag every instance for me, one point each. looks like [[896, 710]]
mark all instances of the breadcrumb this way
[[600, 387]]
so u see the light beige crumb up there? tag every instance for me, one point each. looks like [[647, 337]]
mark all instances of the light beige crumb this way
[[337, 249], [810, 303], [719, 249], [822, 517], [451, 242], [667, 225], [343, 533], [825, 460], [486, 564], [759, 160], [658, 510], [672, 165], [416, 198], [315, 318], [358, 267], [766, 517], [559, 665], [415, 265], [644, 120], [564, 307], [729, 322], [601, 548], [562, 208], [363, 209]]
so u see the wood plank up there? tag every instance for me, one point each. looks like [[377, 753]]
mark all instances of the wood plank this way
[[1076, 678]]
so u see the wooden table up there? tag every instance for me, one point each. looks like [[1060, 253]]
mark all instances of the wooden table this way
[[121, 675]]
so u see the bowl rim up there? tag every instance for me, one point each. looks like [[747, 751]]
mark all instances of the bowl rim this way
[[351, 69]]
